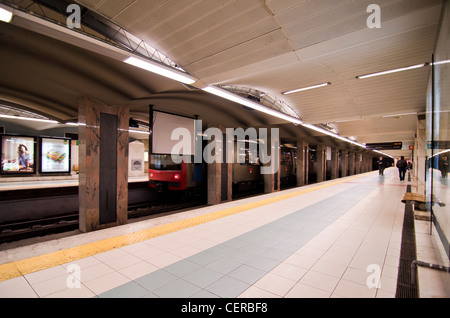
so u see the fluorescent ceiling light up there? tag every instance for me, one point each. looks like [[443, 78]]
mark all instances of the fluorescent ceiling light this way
[[392, 71], [161, 70], [247, 102], [333, 135], [139, 131], [440, 153], [31, 119], [5, 15], [129, 130], [396, 115], [441, 62], [307, 88]]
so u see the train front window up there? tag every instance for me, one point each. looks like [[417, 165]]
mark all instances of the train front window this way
[[286, 157], [163, 162]]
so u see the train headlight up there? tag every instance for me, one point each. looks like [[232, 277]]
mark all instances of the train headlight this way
[[176, 176]]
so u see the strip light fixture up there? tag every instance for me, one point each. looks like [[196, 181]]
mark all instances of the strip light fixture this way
[[397, 115], [333, 135], [306, 88], [161, 70], [5, 15], [441, 62], [129, 130], [392, 71], [247, 102], [30, 118]]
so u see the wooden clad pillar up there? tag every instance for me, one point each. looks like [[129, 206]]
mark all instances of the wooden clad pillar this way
[[103, 163], [272, 178], [334, 163], [321, 163], [220, 173], [302, 163]]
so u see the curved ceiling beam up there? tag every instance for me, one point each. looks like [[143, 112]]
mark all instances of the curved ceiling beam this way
[[41, 105]]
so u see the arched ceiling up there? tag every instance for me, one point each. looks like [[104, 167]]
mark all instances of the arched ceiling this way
[[272, 46]]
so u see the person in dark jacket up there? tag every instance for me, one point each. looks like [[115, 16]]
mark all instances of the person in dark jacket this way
[[402, 165], [444, 166], [381, 166]]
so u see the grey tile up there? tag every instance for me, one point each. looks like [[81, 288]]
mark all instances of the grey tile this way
[[254, 248], [203, 277], [182, 268], [241, 256], [149, 295], [247, 274], [224, 265], [227, 287], [236, 242], [203, 258], [128, 290], [177, 289], [276, 254], [289, 246], [263, 263], [204, 294], [155, 280], [221, 250]]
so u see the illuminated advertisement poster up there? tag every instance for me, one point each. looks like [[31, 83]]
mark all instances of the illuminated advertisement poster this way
[[18, 154], [55, 155]]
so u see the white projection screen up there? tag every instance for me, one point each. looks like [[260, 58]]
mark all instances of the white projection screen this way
[[163, 126]]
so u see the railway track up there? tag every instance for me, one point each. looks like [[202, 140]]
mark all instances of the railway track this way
[[68, 222]]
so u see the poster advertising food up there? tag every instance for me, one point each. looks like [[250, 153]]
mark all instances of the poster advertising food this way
[[55, 155], [18, 154]]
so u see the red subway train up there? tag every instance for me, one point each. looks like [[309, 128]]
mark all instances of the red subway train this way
[[166, 175]]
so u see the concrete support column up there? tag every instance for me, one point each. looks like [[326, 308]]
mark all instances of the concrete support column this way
[[351, 163], [302, 163], [334, 163], [271, 170], [220, 175], [321, 163], [344, 163], [103, 163]]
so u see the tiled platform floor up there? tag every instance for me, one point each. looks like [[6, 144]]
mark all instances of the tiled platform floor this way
[[333, 239]]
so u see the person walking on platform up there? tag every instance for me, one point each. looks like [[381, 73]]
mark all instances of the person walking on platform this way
[[402, 165], [381, 166], [444, 167]]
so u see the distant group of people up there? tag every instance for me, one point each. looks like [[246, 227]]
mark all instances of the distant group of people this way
[[402, 166]]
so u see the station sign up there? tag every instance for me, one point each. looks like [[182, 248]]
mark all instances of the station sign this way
[[384, 146]]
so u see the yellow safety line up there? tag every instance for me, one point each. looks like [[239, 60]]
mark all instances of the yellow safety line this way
[[37, 263]]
